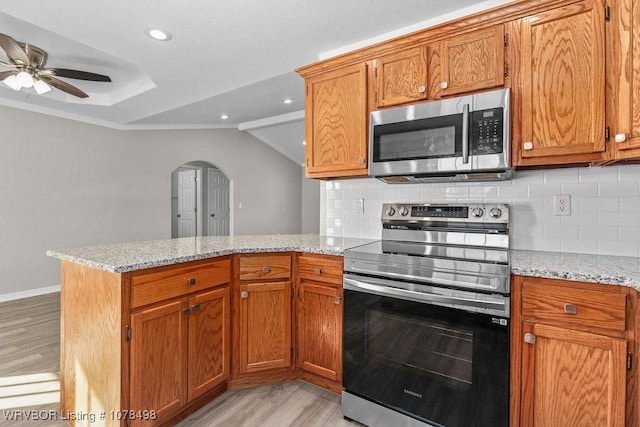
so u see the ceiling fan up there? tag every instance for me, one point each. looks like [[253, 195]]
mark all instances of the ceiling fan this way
[[27, 69]]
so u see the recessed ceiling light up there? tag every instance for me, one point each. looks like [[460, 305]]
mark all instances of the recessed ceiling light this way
[[288, 101], [224, 117], [158, 34]]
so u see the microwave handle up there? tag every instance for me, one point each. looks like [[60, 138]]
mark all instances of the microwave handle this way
[[465, 133]]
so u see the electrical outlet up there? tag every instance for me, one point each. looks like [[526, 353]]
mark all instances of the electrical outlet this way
[[562, 205], [360, 206]]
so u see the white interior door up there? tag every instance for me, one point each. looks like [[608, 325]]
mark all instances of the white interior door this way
[[187, 205], [218, 219]]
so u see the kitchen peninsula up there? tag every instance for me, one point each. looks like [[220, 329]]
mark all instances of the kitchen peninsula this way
[[138, 317]]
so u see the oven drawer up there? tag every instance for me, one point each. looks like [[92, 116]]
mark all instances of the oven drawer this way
[[579, 305], [265, 267], [320, 268]]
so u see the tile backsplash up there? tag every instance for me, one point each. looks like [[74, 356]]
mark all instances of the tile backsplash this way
[[604, 220]]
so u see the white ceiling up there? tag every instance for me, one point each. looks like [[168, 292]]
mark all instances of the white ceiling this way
[[234, 57]]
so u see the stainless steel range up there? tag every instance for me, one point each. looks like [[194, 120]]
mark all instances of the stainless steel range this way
[[426, 322]]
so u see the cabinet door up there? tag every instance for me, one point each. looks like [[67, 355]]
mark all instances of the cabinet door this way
[[473, 61], [400, 77], [209, 345], [158, 360], [336, 120], [320, 330], [562, 83], [572, 378], [265, 326], [625, 47]]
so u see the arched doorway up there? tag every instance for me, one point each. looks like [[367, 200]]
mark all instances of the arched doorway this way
[[200, 201]]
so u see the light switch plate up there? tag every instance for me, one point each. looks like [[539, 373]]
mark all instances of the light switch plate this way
[[360, 205]]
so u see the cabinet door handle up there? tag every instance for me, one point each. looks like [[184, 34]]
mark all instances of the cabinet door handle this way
[[195, 308], [266, 269], [191, 281], [528, 145], [620, 137], [244, 294], [570, 308], [186, 311], [422, 89], [529, 338], [361, 160], [317, 271], [337, 300], [444, 85]]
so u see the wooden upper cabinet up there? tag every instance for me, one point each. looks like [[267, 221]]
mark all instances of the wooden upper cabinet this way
[[336, 123], [625, 80], [472, 61], [400, 77], [561, 79]]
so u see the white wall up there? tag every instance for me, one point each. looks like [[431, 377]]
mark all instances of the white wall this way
[[605, 207], [69, 184], [310, 209]]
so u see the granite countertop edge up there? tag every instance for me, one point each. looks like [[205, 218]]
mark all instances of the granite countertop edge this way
[[126, 257]]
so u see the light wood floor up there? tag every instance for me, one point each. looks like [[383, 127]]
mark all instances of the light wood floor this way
[[30, 363]]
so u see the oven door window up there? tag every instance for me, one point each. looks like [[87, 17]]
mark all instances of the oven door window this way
[[442, 366], [429, 138]]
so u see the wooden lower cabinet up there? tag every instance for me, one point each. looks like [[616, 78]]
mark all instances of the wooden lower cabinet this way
[[179, 351], [320, 305], [573, 352]]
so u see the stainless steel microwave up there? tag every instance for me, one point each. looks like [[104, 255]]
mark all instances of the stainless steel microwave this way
[[455, 139]]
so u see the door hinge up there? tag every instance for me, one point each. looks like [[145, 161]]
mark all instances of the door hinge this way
[[629, 361], [506, 39], [127, 333], [375, 98], [607, 133], [506, 69], [128, 422], [607, 13]]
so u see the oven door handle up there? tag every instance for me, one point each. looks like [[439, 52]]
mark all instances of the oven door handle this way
[[496, 304], [465, 133]]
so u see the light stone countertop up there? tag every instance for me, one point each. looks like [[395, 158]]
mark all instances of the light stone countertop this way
[[604, 269], [123, 257]]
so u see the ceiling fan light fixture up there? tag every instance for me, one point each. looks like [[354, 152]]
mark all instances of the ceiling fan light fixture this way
[[41, 87], [12, 82], [24, 79], [158, 34]]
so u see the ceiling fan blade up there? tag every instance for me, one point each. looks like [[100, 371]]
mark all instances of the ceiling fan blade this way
[[5, 74], [5, 65], [13, 50], [80, 75], [63, 86]]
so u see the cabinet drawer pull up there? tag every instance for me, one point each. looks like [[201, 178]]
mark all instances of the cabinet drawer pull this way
[[529, 338], [317, 271], [337, 300], [244, 294], [191, 281], [195, 308], [570, 309], [266, 269]]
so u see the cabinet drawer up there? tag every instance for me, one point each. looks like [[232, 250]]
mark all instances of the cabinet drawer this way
[[265, 267], [322, 269], [170, 282], [584, 307]]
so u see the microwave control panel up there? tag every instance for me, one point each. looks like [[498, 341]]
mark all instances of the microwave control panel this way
[[486, 131]]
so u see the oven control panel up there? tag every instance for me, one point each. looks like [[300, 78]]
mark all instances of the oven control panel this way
[[476, 212]]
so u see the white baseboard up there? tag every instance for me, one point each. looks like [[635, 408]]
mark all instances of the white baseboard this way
[[29, 293]]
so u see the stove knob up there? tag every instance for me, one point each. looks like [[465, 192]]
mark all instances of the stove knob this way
[[477, 212], [404, 211], [495, 212], [390, 211]]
